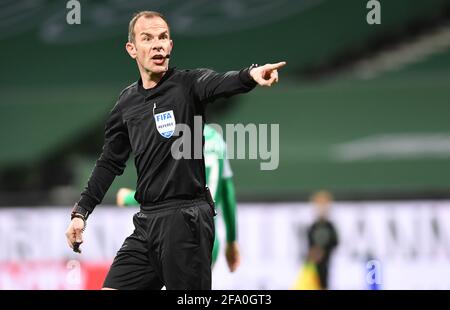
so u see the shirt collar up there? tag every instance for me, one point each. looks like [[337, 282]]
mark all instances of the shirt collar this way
[[146, 92]]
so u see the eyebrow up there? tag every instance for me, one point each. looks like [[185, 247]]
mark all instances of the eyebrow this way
[[149, 34]]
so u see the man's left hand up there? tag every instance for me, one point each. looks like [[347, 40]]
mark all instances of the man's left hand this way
[[232, 255], [266, 75]]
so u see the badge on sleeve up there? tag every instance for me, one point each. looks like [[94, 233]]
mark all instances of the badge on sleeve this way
[[165, 123]]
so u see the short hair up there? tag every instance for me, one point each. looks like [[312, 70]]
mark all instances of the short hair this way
[[136, 16], [322, 194]]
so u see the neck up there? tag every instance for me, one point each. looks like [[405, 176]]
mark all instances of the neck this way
[[150, 79]]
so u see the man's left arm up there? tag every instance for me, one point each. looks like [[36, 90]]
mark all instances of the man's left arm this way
[[230, 218], [210, 85], [228, 199]]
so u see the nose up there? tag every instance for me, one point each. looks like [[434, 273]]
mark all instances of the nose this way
[[157, 46]]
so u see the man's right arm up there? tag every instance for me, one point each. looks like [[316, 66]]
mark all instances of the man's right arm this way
[[111, 162], [116, 150]]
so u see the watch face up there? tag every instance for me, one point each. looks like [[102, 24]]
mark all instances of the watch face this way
[[77, 209]]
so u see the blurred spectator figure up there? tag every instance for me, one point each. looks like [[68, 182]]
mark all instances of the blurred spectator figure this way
[[322, 236]]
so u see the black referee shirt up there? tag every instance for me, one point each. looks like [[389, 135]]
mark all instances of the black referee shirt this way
[[132, 127]]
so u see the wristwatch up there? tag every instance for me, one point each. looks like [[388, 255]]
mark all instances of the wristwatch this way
[[253, 66], [80, 212]]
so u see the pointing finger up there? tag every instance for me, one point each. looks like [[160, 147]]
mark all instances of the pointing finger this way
[[276, 66]]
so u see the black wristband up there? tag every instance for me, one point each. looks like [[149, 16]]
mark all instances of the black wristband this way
[[79, 211]]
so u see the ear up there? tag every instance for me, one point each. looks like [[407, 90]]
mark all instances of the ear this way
[[171, 46], [131, 49]]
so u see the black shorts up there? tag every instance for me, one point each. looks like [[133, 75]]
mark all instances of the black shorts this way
[[171, 246]]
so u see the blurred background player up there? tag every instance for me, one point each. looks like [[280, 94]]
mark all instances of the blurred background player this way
[[219, 178], [322, 236]]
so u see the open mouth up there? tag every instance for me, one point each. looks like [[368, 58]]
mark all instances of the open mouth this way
[[158, 59]]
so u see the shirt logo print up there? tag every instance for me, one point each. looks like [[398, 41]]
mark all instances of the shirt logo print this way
[[165, 123]]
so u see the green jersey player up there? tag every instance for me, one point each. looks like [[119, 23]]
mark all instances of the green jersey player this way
[[220, 182]]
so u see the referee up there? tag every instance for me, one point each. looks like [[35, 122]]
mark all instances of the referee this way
[[174, 231]]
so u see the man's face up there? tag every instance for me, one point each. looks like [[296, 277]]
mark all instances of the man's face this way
[[152, 44], [322, 206]]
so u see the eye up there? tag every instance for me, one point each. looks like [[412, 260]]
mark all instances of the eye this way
[[146, 38]]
